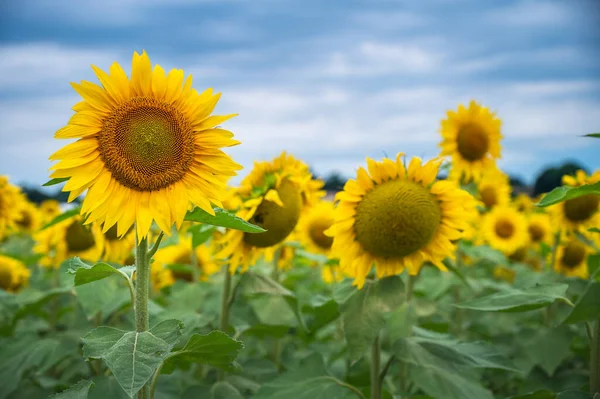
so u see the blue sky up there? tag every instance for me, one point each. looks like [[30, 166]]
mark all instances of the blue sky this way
[[330, 81]]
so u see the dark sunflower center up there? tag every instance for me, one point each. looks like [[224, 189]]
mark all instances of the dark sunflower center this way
[[278, 221], [79, 238], [536, 232], [489, 196], [316, 232], [111, 234], [504, 228], [519, 255], [581, 208], [25, 221], [473, 142], [5, 277], [573, 255], [146, 144], [396, 219]]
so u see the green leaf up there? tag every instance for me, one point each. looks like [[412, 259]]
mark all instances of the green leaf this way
[[132, 356], [85, 273], [55, 181], [201, 233], [401, 322], [596, 135], [593, 263], [548, 348], [484, 252], [575, 394], [77, 391], [222, 218], [224, 390], [514, 300], [587, 307], [564, 193], [543, 394], [364, 314], [310, 381], [594, 230], [106, 387], [63, 216], [104, 297], [448, 384], [215, 349]]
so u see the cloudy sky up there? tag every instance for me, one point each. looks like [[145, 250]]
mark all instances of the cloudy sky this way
[[330, 81]]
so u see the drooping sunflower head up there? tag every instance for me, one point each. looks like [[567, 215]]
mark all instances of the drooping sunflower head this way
[[272, 196], [312, 225], [571, 259], [395, 217], [505, 229], [11, 201], [13, 274], [494, 189], [580, 213], [118, 249], [30, 220], [472, 137], [539, 228], [147, 148]]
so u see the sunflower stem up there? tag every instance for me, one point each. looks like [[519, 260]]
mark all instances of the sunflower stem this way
[[403, 367], [142, 284], [595, 360], [554, 249], [225, 305], [375, 364]]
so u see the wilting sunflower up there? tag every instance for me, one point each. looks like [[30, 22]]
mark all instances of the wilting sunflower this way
[[272, 196], [13, 274], [540, 228], [182, 253], [505, 229], [571, 259], [31, 218], [118, 249], [472, 137], [494, 189], [581, 213], [49, 209], [312, 225], [147, 147], [10, 206], [396, 218], [68, 238]]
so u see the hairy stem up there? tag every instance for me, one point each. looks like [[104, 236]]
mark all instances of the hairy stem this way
[[142, 285], [375, 364], [225, 305]]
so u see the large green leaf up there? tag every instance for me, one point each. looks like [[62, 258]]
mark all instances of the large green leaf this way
[[63, 216], [565, 193], [85, 273], [222, 218], [596, 135], [77, 391], [201, 233], [215, 349], [542, 394], [310, 381], [364, 314], [587, 307], [132, 356], [102, 297], [547, 348], [448, 384], [224, 390], [514, 300]]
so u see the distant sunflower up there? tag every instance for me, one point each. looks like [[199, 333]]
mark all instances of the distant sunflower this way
[[11, 201], [494, 189], [571, 259], [312, 226], [505, 273], [49, 209], [13, 274], [581, 213], [505, 229], [160, 276], [147, 147], [520, 255], [396, 218], [118, 249], [31, 219], [540, 228], [182, 253], [272, 196], [472, 137], [523, 203], [69, 238]]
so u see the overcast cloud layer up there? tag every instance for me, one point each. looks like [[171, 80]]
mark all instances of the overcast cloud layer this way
[[330, 81]]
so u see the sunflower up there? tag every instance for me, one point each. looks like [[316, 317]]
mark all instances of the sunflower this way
[[581, 213], [571, 259], [118, 249], [31, 218], [472, 137], [396, 218], [272, 196], [160, 276], [147, 147], [49, 209], [13, 274], [540, 228], [520, 255], [182, 253], [505, 273], [494, 189], [10, 206], [505, 229], [312, 226], [523, 203], [68, 238]]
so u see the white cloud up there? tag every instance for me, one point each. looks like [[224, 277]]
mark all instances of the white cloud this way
[[530, 13]]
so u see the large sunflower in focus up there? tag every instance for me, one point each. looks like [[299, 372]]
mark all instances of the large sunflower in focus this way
[[397, 218], [272, 196], [505, 229], [147, 147], [13, 274], [182, 253], [494, 189], [312, 226], [581, 213], [472, 137], [571, 259], [11, 201]]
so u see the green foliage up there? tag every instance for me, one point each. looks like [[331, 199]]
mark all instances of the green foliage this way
[[565, 193], [514, 300], [587, 307], [222, 218], [63, 216], [85, 273], [77, 391]]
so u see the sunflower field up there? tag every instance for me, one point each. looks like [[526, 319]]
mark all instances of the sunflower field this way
[[160, 279]]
